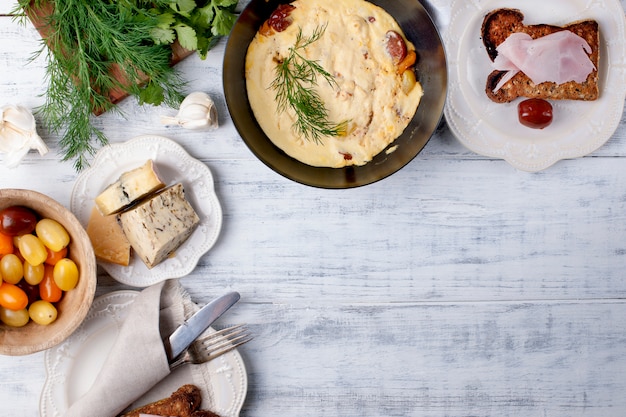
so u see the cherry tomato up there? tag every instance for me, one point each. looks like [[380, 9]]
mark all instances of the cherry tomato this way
[[42, 312], [52, 234], [14, 318], [6, 244], [16, 250], [12, 297], [32, 291], [11, 268], [396, 46], [65, 274], [32, 249], [48, 289], [535, 113], [17, 220], [54, 257], [33, 274]]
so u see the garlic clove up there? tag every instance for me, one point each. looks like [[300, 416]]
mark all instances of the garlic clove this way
[[197, 111], [197, 97], [18, 134]]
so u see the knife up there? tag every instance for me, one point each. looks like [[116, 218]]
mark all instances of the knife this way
[[193, 327]]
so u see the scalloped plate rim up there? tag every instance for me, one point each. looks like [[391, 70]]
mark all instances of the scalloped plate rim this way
[[137, 274], [104, 305], [481, 135]]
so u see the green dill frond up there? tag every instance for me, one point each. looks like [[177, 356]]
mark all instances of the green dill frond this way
[[294, 84]]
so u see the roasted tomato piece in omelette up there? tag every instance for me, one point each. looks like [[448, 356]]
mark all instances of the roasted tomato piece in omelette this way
[[278, 20]]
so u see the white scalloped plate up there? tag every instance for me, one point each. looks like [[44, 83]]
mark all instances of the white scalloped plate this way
[[174, 165], [492, 129], [72, 366]]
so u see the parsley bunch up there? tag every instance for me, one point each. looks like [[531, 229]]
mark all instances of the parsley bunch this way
[[197, 27], [89, 40]]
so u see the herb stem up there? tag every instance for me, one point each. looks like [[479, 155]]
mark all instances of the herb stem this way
[[295, 81]]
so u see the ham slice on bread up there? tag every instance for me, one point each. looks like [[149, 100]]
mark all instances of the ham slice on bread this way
[[565, 66]]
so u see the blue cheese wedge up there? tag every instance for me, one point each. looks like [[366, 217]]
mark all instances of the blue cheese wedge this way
[[157, 226], [130, 187]]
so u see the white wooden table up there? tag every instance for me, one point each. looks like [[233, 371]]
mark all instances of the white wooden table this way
[[457, 287]]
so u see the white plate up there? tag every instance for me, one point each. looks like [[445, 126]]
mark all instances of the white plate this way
[[72, 366], [492, 129], [174, 165]]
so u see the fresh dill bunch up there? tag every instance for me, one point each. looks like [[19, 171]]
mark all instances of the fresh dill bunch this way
[[296, 78], [85, 42]]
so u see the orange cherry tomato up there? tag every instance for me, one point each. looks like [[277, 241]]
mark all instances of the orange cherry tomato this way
[[54, 257], [12, 297], [48, 289], [6, 244]]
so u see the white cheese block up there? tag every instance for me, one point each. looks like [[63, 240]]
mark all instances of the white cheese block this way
[[130, 187], [157, 226]]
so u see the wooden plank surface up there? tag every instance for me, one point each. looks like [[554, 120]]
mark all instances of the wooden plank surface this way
[[457, 287]]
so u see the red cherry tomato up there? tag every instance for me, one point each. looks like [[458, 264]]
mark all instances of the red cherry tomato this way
[[17, 220], [12, 297], [32, 291], [535, 113]]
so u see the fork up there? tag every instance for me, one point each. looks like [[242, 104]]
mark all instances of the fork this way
[[213, 345]]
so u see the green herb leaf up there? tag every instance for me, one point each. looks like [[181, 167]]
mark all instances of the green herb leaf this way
[[294, 84], [206, 13], [152, 93], [223, 23], [224, 3], [186, 36], [183, 7], [164, 20], [162, 36]]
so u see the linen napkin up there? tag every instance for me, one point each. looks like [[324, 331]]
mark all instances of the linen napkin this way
[[137, 367]]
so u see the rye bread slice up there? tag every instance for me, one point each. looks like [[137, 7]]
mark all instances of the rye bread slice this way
[[499, 24]]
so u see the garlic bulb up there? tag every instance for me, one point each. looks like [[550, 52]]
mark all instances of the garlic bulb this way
[[18, 134], [197, 111]]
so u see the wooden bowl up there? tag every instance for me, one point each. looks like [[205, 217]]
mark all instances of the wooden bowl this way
[[75, 303]]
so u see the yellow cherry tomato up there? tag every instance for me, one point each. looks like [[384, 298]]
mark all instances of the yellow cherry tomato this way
[[42, 312], [11, 268], [14, 318], [52, 234], [12, 297], [32, 249], [65, 274], [33, 274]]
